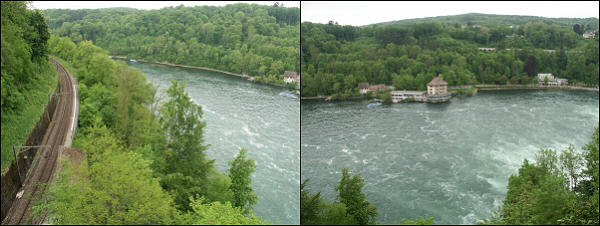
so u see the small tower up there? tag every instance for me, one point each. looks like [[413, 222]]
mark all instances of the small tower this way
[[437, 86]]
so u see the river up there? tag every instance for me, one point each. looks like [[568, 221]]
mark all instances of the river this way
[[450, 161], [240, 114]]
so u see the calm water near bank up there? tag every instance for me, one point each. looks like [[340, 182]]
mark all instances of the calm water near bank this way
[[450, 161], [240, 114]]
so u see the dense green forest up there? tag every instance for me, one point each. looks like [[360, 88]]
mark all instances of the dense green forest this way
[[145, 160], [497, 20], [28, 78], [243, 38], [350, 207], [336, 58], [559, 188]]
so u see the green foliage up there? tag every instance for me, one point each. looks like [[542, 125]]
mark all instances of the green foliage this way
[[419, 221], [23, 53], [350, 194], [217, 213], [242, 38], [187, 168], [554, 190], [336, 58], [386, 96], [39, 38], [314, 210], [239, 172], [116, 188], [535, 196], [350, 209], [121, 123], [497, 20], [27, 77]]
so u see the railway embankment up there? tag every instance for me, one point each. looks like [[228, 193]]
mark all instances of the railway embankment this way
[[23, 181]]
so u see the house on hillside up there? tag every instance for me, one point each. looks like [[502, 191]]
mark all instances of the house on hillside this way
[[291, 76], [363, 87]]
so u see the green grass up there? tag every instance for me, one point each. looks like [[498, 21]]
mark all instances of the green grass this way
[[17, 125]]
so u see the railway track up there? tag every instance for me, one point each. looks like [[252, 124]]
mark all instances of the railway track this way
[[58, 134]]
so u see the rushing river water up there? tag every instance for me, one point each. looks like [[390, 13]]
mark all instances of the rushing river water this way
[[450, 161], [240, 114]]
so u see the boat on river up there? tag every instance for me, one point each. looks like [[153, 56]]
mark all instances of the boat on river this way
[[287, 94], [133, 60], [372, 105]]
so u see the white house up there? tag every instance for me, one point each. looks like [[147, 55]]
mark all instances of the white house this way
[[543, 76], [552, 81]]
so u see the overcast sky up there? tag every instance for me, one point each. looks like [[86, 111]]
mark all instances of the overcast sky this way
[[364, 13], [143, 4]]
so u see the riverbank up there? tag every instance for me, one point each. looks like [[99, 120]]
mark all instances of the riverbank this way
[[469, 90], [528, 87], [248, 77]]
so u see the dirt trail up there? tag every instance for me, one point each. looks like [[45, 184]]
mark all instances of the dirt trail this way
[[47, 158]]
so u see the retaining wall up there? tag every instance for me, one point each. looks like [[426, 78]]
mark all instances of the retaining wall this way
[[13, 176]]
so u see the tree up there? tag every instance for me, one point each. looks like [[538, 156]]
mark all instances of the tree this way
[[309, 205], [39, 39], [314, 210], [531, 66], [419, 221], [239, 172], [550, 192], [577, 28], [570, 164], [187, 167], [217, 213], [350, 194], [116, 188]]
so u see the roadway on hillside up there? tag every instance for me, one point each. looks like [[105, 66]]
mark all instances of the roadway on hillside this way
[[59, 133]]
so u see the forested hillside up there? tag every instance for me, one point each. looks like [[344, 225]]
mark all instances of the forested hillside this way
[[497, 20], [243, 38], [146, 161], [28, 78], [336, 58]]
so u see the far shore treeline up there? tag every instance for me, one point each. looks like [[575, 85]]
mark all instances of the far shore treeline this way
[[145, 160], [251, 39], [336, 58]]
